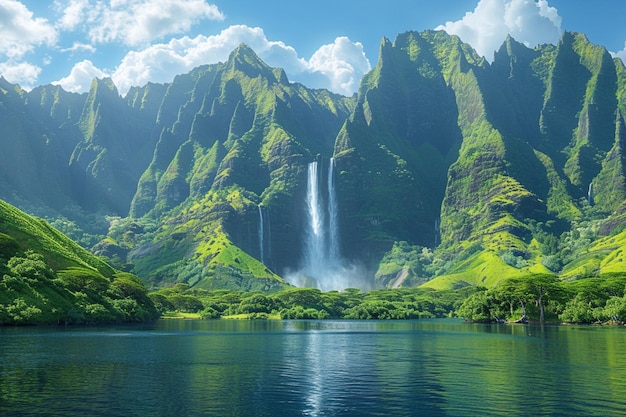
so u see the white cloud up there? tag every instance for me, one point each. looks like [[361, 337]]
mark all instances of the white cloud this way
[[337, 66], [22, 73], [73, 14], [342, 63], [620, 54], [134, 22], [79, 46], [20, 32], [81, 76], [531, 22]]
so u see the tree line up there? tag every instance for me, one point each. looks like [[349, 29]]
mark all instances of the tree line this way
[[545, 298], [539, 298], [310, 303]]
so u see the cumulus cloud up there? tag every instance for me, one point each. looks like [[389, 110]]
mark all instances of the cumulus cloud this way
[[531, 22], [134, 22], [20, 32], [23, 73], [80, 77], [337, 66], [342, 63], [73, 14]]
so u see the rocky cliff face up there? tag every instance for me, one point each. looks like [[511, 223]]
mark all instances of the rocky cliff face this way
[[241, 139], [484, 157], [482, 170]]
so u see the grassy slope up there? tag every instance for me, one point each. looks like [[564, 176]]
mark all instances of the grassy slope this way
[[46, 278], [58, 250]]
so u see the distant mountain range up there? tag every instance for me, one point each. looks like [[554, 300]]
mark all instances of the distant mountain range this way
[[444, 170]]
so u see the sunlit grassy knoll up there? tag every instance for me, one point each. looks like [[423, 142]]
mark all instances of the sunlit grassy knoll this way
[[484, 268]]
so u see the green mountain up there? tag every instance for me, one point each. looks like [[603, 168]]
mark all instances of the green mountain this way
[[444, 170], [239, 144], [537, 164], [47, 278]]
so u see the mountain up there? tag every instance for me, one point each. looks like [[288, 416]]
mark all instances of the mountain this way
[[47, 278], [539, 159], [443, 170]]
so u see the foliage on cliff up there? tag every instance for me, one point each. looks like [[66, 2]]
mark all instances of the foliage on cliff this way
[[450, 170], [536, 160], [48, 279]]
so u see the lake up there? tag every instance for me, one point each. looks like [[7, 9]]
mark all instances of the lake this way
[[313, 368]]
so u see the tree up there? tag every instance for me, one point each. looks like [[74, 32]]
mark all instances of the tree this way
[[615, 309], [256, 303], [543, 288], [31, 266], [83, 279], [510, 293], [476, 307], [577, 310]]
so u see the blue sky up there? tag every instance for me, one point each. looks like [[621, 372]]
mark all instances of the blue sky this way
[[322, 43]]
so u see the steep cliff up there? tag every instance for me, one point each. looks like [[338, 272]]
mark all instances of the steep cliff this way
[[446, 169]]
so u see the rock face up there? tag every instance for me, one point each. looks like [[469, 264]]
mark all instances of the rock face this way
[[485, 170]]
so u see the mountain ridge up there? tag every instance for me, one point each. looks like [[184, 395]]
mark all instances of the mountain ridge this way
[[486, 170]]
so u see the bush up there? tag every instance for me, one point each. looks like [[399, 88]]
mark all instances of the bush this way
[[300, 313], [210, 313], [97, 313], [83, 279]]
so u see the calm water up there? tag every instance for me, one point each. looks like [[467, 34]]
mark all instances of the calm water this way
[[313, 368]]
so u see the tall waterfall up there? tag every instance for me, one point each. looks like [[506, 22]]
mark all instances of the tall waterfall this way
[[322, 265], [265, 235], [261, 235], [315, 243], [333, 225]]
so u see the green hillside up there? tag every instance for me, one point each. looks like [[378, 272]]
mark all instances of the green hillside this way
[[47, 278], [444, 170]]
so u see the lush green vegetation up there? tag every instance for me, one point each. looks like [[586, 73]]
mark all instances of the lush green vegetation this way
[[309, 303], [450, 171], [541, 298], [32, 293], [45, 278], [545, 298]]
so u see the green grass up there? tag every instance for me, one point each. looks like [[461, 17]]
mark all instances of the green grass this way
[[484, 268], [59, 251], [181, 315]]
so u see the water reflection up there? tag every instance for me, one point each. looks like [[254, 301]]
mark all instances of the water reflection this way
[[313, 368]]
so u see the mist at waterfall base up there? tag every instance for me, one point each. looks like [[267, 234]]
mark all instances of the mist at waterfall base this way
[[322, 265]]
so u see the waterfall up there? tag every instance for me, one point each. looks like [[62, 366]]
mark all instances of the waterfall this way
[[265, 235], [315, 238], [322, 265], [590, 196], [333, 225], [261, 235], [268, 236]]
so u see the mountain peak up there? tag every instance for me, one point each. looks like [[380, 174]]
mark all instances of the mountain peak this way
[[101, 85], [511, 50], [244, 59]]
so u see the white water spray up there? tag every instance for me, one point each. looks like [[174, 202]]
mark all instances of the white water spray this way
[[315, 240], [322, 266]]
